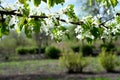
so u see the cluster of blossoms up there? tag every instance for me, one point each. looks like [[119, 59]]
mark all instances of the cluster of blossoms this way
[[53, 28], [81, 34], [93, 29]]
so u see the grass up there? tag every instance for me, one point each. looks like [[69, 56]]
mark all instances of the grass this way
[[29, 66], [101, 79], [46, 66], [93, 66], [85, 79], [38, 66]]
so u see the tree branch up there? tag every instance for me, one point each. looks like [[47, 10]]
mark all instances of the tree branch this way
[[103, 23], [107, 20], [12, 12], [2, 7]]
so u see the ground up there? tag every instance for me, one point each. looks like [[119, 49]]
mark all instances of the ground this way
[[51, 70], [62, 76]]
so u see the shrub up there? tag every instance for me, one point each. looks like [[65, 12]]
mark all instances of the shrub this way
[[108, 60], [109, 47], [75, 48], [6, 58], [43, 49], [73, 62], [21, 51], [52, 52], [36, 49], [31, 50], [118, 50], [87, 50], [26, 50]]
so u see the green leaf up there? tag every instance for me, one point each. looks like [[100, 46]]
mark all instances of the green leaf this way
[[12, 26], [25, 12], [50, 3], [36, 26], [108, 4], [44, 1], [57, 37], [37, 2], [95, 32], [90, 2], [62, 28], [69, 11], [114, 2], [0, 32], [22, 1], [56, 22], [5, 29], [89, 40], [21, 23], [59, 1], [118, 19], [28, 31]]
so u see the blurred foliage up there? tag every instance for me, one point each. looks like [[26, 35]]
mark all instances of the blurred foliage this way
[[52, 52], [75, 48], [71, 35], [108, 60], [87, 50], [90, 9], [9, 43], [74, 62], [43, 49], [27, 50], [108, 46]]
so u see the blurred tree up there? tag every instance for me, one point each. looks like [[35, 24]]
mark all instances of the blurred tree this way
[[41, 40], [9, 43]]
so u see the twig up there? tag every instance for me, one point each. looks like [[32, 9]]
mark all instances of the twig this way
[[2, 7], [106, 21]]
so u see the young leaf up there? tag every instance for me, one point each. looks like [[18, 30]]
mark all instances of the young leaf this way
[[44, 1], [59, 1], [22, 1], [95, 32], [25, 12], [21, 23], [114, 2], [36, 26], [118, 19], [37, 2], [0, 32], [28, 31], [90, 2], [50, 3]]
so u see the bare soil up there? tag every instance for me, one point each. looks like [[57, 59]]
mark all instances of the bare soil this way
[[61, 76]]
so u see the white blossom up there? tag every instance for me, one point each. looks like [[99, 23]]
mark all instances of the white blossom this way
[[80, 37], [78, 29], [114, 31]]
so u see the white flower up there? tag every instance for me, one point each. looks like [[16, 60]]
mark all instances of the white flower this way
[[108, 12], [114, 31], [79, 29], [99, 16], [92, 37], [60, 33], [80, 37]]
